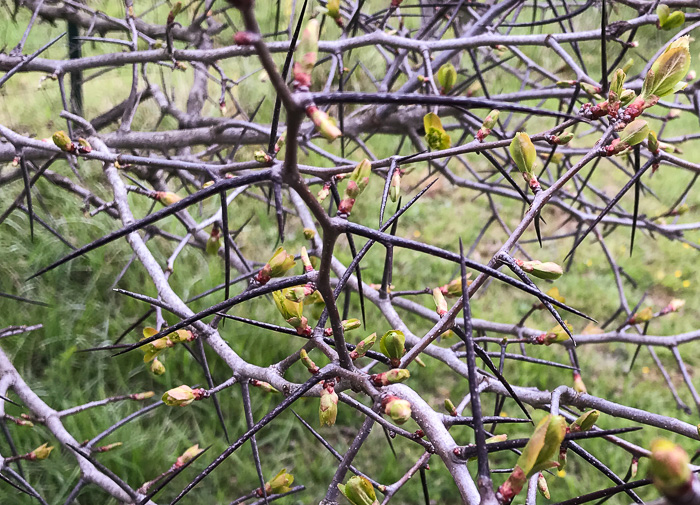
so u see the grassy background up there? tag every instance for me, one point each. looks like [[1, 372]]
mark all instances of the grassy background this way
[[85, 312]]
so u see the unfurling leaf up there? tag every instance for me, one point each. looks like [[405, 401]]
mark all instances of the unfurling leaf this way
[[667, 72], [280, 484], [435, 135], [540, 453], [359, 491]]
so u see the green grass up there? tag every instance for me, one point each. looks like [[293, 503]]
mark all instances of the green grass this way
[[85, 312]]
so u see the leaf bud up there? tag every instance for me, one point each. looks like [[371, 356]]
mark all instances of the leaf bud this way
[[84, 146], [393, 376], [63, 141], [556, 334], [440, 302], [157, 368], [547, 270], [142, 396], [108, 447], [653, 142], [399, 410], [324, 124], [328, 407], [188, 456], [447, 77], [523, 152], [450, 408], [579, 385], [308, 362], [306, 54], [392, 345], [167, 197], [363, 346], [643, 316], [542, 486], [214, 241], [265, 386], [617, 81], [454, 287], [180, 396], [395, 185], [359, 179], [635, 132], [627, 96], [585, 421], [669, 467], [262, 157]]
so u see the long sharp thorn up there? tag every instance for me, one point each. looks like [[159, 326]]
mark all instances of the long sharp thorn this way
[[358, 273], [102, 468], [353, 251], [505, 175], [470, 451], [227, 244], [222, 306], [440, 100], [156, 216], [277, 17], [490, 364], [391, 444], [613, 202], [133, 325], [24, 300], [387, 186], [341, 109], [245, 390], [441, 253], [603, 50], [210, 383], [28, 193], [123, 422], [637, 190], [285, 73], [279, 211], [332, 450], [598, 465], [424, 483], [611, 491], [634, 358], [538, 232], [170, 477], [6, 399], [550, 308], [13, 447], [370, 243], [18, 488], [258, 426], [47, 226], [479, 434]]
